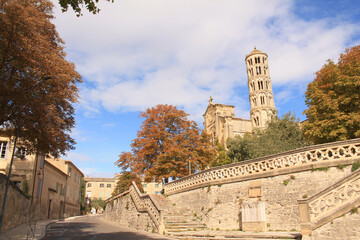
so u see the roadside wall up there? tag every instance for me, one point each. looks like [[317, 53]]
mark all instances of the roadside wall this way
[[220, 206], [123, 211], [16, 200]]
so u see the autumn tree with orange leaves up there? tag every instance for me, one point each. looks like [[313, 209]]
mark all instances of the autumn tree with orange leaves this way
[[37, 83], [333, 99], [167, 145]]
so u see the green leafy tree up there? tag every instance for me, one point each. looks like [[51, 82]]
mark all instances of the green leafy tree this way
[[333, 100], [124, 182], [221, 157], [38, 85], [97, 203], [82, 189], [241, 148], [282, 134], [167, 145]]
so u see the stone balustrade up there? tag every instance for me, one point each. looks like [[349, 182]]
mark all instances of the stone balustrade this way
[[322, 155], [330, 203], [144, 203]]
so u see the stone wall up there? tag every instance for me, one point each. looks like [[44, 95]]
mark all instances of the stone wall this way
[[220, 206], [345, 227], [16, 200], [123, 211]]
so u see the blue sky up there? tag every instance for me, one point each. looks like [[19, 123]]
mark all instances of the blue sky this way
[[135, 54]]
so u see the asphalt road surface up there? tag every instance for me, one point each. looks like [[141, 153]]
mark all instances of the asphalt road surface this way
[[95, 228]]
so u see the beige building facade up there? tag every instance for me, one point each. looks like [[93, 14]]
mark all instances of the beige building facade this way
[[152, 187], [54, 184], [219, 119], [100, 188]]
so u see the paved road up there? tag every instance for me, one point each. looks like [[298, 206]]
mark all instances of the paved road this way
[[95, 228]]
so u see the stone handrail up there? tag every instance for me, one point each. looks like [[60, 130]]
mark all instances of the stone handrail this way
[[144, 203], [330, 203], [302, 159]]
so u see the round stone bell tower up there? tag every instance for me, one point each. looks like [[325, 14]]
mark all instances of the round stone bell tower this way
[[260, 90]]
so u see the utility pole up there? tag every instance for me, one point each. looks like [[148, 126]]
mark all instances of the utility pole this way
[[8, 178]]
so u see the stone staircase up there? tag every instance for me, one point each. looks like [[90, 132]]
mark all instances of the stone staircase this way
[[178, 219], [181, 223], [181, 220]]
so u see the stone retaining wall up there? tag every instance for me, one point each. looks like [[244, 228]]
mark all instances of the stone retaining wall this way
[[123, 211], [220, 206], [16, 200]]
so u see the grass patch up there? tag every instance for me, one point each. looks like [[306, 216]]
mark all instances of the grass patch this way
[[305, 196], [292, 177], [286, 182], [320, 169], [341, 166], [354, 210], [355, 166]]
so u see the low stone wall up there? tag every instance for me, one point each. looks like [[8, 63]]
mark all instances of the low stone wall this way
[[221, 206], [345, 227], [123, 211], [17, 205]]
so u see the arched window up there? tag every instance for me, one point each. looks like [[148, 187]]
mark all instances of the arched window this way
[[262, 85], [265, 70], [258, 59], [267, 86], [263, 59], [250, 61], [255, 60], [259, 70], [259, 85]]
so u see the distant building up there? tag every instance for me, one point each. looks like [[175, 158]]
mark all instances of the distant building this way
[[219, 119], [100, 188], [152, 187], [54, 184]]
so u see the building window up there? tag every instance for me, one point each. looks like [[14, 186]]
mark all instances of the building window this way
[[156, 185], [101, 195], [101, 185], [89, 185], [69, 171], [2, 149], [144, 185], [108, 185]]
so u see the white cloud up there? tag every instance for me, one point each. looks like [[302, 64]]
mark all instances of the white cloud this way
[[139, 53], [78, 157], [93, 172]]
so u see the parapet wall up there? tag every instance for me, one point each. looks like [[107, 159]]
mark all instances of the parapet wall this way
[[261, 194]]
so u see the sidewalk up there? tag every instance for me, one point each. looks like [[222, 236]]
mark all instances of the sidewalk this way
[[27, 231]]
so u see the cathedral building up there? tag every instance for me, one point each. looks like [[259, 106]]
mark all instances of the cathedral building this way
[[219, 119]]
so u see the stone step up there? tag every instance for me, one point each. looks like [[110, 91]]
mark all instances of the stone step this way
[[179, 218], [184, 225], [222, 238], [208, 234], [183, 222]]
